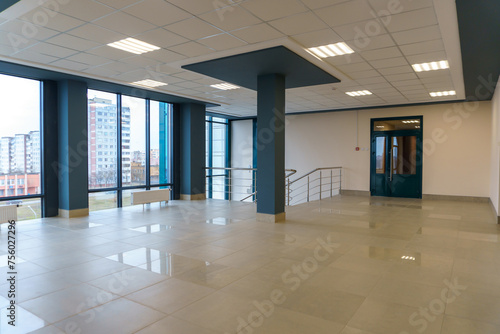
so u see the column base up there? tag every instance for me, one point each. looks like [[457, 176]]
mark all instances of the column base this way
[[268, 218], [73, 213], [194, 197]]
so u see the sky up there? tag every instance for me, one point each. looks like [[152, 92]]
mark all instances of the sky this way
[[20, 105]]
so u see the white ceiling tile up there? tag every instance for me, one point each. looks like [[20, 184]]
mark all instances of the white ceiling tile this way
[[193, 29], [124, 23], [345, 60], [364, 74], [109, 52], [162, 38], [355, 67], [97, 34], [389, 62], [345, 13], [271, 10], [417, 35], [157, 12], [27, 32], [141, 61], [70, 65], [33, 56], [317, 38], [380, 81], [83, 10], [191, 49], [422, 47], [402, 83], [376, 54], [231, 20], [396, 70], [412, 20], [257, 33], [118, 66], [72, 42], [393, 7], [222, 42], [400, 77], [197, 7], [119, 4], [359, 30], [164, 56], [315, 4], [89, 59], [51, 50], [298, 24], [371, 43], [51, 19], [14, 41], [427, 57]]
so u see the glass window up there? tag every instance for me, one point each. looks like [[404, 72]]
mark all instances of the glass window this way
[[101, 173], [20, 142], [216, 156], [397, 124], [133, 141], [404, 155], [102, 200], [380, 154], [160, 142]]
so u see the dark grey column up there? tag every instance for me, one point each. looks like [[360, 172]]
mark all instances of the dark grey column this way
[[192, 151], [271, 148], [73, 155]]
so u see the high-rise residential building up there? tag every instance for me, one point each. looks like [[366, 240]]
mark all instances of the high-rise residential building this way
[[20, 154], [20, 164], [103, 144]]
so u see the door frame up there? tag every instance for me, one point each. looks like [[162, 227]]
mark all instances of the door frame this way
[[417, 132]]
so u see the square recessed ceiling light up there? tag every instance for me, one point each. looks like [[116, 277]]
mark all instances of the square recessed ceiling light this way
[[331, 50], [435, 65], [359, 93], [134, 46], [149, 83], [225, 86], [447, 93]]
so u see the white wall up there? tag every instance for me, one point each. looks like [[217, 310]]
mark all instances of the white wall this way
[[457, 145], [241, 155], [495, 151]]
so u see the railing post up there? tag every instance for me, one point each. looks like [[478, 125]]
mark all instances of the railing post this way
[[308, 188], [229, 190], [320, 182], [288, 191], [331, 182], [340, 183]]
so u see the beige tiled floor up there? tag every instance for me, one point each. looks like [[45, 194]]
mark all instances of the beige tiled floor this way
[[347, 265]]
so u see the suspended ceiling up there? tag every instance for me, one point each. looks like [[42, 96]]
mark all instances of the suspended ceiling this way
[[71, 36]]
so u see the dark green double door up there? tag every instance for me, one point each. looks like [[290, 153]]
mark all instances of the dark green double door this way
[[396, 163]]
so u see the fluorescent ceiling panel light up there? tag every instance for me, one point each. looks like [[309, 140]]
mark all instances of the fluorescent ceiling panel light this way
[[446, 93], [359, 93], [134, 46], [225, 86], [149, 83], [331, 50], [435, 65]]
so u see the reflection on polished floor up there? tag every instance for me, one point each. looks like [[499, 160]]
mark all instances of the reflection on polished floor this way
[[350, 265]]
